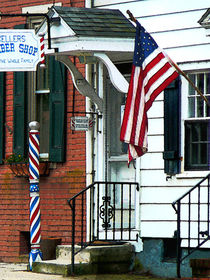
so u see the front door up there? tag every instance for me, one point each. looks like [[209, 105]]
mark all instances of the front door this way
[[126, 196]]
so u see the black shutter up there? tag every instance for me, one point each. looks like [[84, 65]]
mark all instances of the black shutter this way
[[2, 114], [172, 107], [19, 113], [19, 109], [57, 111]]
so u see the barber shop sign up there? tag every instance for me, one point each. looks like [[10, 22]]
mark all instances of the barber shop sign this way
[[20, 50]]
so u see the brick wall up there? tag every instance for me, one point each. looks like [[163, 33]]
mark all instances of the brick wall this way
[[64, 181]]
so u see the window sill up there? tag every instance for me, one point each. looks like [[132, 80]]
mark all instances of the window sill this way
[[44, 157], [192, 174]]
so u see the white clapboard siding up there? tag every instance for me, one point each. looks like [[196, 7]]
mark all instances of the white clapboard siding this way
[[152, 161], [181, 38], [165, 212], [161, 229], [152, 8], [172, 21], [189, 54], [174, 25], [155, 143], [160, 195], [155, 126], [157, 178], [156, 111]]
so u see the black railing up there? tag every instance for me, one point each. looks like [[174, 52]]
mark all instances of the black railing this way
[[104, 211], [193, 219]]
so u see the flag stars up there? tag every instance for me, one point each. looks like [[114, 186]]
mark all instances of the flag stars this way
[[144, 45]]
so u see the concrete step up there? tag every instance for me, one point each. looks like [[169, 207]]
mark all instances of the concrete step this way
[[92, 260]]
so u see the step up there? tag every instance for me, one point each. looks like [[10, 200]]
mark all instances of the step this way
[[93, 259]]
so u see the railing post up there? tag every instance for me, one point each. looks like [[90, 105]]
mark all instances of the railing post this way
[[35, 217], [178, 239], [73, 236]]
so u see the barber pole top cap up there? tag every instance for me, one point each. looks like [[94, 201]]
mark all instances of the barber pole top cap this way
[[34, 125]]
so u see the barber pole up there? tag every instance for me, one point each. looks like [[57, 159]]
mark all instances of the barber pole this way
[[35, 217], [42, 64]]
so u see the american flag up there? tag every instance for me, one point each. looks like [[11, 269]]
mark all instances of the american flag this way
[[151, 73]]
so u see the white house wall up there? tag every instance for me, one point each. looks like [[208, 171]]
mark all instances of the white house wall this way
[[174, 25]]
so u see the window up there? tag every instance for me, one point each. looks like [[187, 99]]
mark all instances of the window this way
[[42, 93], [197, 125], [41, 96], [115, 106]]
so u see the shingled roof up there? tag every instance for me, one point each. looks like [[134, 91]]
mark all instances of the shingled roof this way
[[96, 22]]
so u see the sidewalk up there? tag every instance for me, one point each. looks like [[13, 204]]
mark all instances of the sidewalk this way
[[19, 272]]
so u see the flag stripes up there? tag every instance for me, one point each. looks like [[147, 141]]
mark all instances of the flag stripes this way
[[151, 74]]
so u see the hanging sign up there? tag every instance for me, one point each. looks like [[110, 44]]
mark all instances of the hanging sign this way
[[19, 50], [81, 123]]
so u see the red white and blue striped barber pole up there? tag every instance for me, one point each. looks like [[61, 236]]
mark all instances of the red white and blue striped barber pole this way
[[35, 217], [42, 63]]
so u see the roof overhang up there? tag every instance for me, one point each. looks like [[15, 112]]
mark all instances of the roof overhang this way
[[67, 42], [108, 38]]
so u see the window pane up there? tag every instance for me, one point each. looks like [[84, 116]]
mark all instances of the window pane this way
[[199, 107], [200, 82], [207, 83], [197, 143], [194, 153], [195, 133], [208, 92], [43, 119], [207, 110], [203, 153], [116, 106], [191, 89], [191, 105], [203, 132]]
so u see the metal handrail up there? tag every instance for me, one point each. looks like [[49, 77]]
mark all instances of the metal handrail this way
[[103, 205], [190, 203]]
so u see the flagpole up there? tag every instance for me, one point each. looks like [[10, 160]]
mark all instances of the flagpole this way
[[132, 18]]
